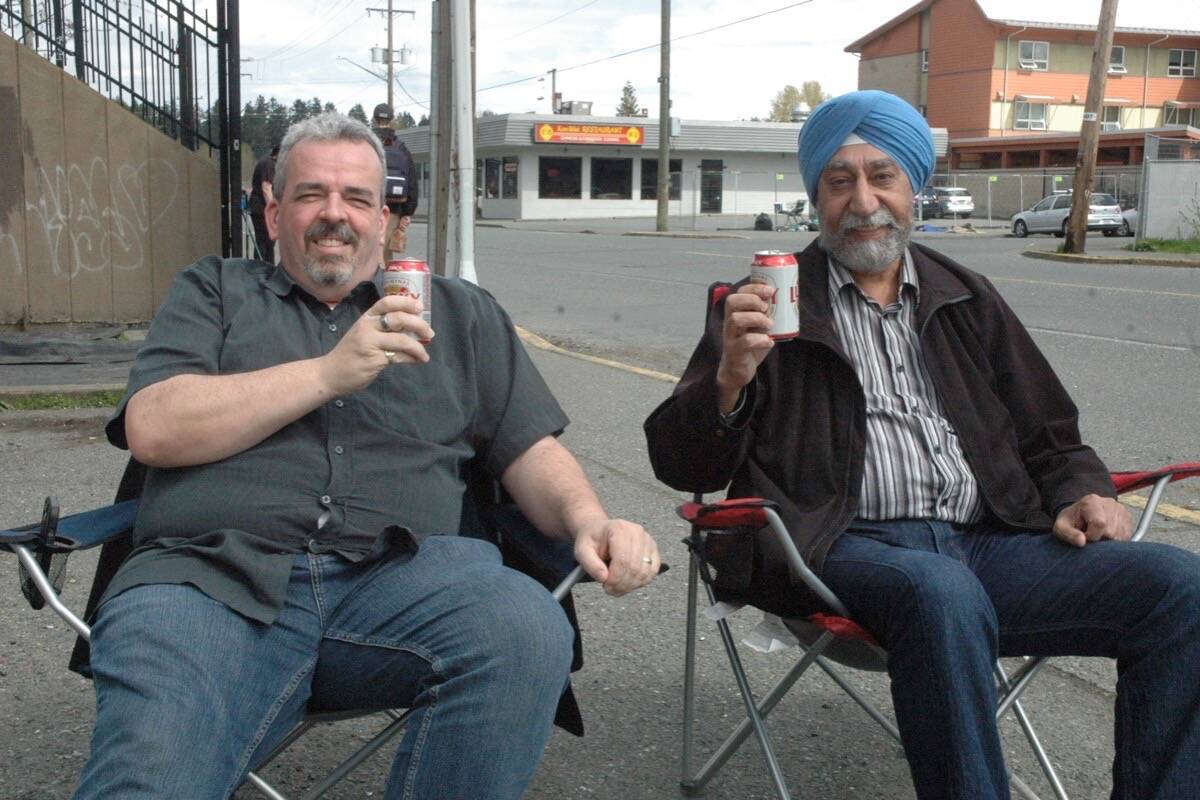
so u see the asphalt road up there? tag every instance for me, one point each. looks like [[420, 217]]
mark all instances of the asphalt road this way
[[640, 301]]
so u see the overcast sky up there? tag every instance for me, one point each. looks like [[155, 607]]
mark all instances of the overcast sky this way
[[729, 58]]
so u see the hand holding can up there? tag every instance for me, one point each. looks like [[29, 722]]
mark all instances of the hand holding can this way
[[779, 270]]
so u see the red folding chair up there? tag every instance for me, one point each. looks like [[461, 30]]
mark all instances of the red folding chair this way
[[829, 640]]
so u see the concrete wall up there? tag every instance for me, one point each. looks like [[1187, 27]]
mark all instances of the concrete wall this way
[[98, 210], [1172, 206]]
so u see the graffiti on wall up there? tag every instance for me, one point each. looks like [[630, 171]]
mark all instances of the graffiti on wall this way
[[84, 232]]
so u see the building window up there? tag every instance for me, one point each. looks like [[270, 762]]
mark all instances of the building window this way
[[508, 178], [1116, 60], [612, 178], [925, 60], [491, 178], [650, 178], [1110, 118], [1033, 55], [1174, 115], [1181, 63], [559, 178], [1029, 116]]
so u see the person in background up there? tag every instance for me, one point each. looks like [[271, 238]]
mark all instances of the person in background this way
[[401, 193], [260, 197]]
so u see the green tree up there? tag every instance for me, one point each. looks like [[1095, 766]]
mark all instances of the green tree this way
[[424, 120], [358, 113], [277, 120], [629, 102], [781, 107], [813, 94], [405, 120]]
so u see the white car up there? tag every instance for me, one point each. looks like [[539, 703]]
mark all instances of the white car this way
[[1129, 219], [953, 201], [1052, 214]]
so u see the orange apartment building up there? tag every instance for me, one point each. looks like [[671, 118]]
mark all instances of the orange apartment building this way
[[1011, 91]]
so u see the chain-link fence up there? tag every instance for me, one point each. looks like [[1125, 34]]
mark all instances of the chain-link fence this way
[[999, 194]]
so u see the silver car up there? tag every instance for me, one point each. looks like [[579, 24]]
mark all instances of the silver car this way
[[953, 201], [1052, 214]]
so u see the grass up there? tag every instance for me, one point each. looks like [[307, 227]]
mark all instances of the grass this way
[[1166, 245], [58, 400]]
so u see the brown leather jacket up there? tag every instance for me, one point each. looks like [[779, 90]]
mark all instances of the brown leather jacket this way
[[800, 438]]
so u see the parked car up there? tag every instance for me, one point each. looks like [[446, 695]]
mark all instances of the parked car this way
[[925, 204], [1052, 214], [953, 201], [1129, 220]]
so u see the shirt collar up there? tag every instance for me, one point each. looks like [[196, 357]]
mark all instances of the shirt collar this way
[[278, 281], [840, 277]]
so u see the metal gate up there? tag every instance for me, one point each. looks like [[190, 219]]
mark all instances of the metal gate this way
[[164, 60]]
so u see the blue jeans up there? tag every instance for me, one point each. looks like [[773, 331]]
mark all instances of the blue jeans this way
[[947, 600], [190, 695]]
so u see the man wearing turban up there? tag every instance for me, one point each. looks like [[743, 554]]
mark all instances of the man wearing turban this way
[[929, 467]]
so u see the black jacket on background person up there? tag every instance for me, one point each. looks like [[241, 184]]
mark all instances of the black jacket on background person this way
[[800, 437], [401, 172]]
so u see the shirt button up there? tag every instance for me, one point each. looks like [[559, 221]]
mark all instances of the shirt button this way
[[338, 449], [313, 544], [326, 499], [338, 403], [333, 327], [900, 369], [937, 450]]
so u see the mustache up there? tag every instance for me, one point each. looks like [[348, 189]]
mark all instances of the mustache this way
[[880, 216], [330, 230]]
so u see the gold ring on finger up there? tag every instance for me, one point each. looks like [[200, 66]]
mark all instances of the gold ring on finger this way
[[390, 356], [383, 325]]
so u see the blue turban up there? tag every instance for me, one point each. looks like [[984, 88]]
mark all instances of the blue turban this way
[[879, 118]]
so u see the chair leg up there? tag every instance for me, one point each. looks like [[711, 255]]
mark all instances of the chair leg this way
[[689, 679], [1010, 700], [361, 755], [857, 696]]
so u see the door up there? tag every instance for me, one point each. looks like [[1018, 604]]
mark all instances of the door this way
[[711, 181]]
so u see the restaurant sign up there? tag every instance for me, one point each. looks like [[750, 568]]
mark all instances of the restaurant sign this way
[[573, 133]]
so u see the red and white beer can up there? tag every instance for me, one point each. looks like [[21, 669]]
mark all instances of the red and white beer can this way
[[410, 276], [778, 270]]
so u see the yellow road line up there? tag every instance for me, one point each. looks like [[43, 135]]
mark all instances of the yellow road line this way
[[1178, 513], [540, 343]]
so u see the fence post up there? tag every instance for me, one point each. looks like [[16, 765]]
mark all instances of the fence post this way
[[80, 58]]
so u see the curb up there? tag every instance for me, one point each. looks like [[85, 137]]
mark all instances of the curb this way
[[61, 388], [1149, 261]]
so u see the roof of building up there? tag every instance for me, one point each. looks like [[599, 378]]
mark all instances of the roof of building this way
[[506, 130], [1160, 17]]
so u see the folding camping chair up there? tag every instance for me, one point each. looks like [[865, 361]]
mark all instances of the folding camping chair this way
[[793, 215], [42, 549], [831, 639]]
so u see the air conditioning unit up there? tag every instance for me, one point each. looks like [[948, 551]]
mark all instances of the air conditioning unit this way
[[1037, 124], [1117, 69], [1110, 126], [1026, 63]]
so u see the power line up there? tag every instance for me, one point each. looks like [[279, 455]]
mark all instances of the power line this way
[[652, 46], [319, 44], [314, 30], [556, 19]]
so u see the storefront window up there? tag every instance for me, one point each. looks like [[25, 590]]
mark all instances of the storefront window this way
[[491, 178], [508, 179], [650, 178], [612, 178], [559, 178]]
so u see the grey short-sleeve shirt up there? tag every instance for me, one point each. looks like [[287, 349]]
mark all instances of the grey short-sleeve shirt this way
[[378, 469]]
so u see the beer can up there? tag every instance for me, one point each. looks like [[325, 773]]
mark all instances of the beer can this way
[[410, 276], [778, 270]]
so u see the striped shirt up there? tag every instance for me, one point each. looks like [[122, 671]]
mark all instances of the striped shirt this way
[[915, 467]]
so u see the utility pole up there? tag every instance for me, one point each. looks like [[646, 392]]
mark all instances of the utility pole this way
[[389, 12], [1089, 134], [664, 118], [554, 91]]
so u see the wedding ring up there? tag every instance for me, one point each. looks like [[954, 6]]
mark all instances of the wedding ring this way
[[647, 560], [383, 323], [389, 355]]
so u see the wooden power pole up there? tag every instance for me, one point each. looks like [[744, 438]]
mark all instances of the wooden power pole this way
[[1089, 134], [664, 119]]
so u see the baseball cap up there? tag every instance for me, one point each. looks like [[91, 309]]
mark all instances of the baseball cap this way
[[382, 111]]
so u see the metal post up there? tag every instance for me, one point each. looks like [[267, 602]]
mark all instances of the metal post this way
[[464, 136], [433, 202], [664, 118], [227, 248], [80, 61], [235, 131], [391, 77]]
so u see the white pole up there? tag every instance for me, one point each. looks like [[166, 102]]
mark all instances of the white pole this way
[[464, 134]]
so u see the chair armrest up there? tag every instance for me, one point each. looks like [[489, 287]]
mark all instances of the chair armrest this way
[[739, 512], [1132, 481]]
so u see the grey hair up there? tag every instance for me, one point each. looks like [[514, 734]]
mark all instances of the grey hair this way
[[328, 127]]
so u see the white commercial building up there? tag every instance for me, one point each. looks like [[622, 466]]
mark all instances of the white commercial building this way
[[558, 166]]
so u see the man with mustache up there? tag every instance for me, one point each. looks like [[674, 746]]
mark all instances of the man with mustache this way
[[295, 546], [928, 465]]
